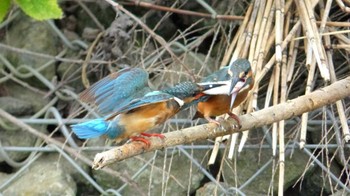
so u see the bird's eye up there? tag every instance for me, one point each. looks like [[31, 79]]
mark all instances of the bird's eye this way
[[242, 79]]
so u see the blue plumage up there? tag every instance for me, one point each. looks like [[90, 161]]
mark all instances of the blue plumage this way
[[97, 128], [116, 89], [123, 98], [149, 98]]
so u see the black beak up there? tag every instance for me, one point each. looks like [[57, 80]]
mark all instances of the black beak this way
[[236, 85], [234, 81]]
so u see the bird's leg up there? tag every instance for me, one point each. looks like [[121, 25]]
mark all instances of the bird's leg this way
[[236, 118], [161, 136], [210, 120], [141, 139]]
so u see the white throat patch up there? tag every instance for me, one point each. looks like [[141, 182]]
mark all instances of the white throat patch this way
[[179, 101]]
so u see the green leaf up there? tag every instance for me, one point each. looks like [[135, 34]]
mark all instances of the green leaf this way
[[40, 9], [4, 7]]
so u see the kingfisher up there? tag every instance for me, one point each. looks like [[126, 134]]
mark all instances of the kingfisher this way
[[135, 115], [236, 81]]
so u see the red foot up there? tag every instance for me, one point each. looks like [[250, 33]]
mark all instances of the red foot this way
[[210, 120], [236, 118], [161, 136], [141, 139]]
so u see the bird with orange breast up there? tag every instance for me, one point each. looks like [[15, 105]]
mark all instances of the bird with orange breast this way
[[236, 81], [132, 108]]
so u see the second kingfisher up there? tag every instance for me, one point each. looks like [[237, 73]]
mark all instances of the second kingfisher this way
[[237, 80]]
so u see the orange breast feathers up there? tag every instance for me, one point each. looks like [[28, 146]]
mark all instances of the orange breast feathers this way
[[220, 104], [146, 117]]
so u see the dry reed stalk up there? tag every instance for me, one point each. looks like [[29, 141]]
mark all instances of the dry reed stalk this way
[[304, 118], [308, 52], [260, 53], [232, 145], [242, 38], [325, 14], [343, 6], [341, 37], [261, 34], [245, 134], [339, 104], [292, 56], [269, 92], [309, 24], [281, 125], [267, 33], [269, 64], [335, 24], [257, 29], [233, 44], [215, 150], [276, 75], [341, 46], [279, 6], [248, 36]]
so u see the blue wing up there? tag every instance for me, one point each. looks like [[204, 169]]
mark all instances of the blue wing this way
[[149, 98], [116, 90]]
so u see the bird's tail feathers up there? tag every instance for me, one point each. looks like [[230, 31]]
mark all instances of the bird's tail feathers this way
[[92, 128]]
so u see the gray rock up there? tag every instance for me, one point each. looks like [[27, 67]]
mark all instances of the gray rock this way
[[43, 178], [14, 136], [251, 160], [29, 98], [19, 102], [101, 10], [210, 189], [38, 37], [4, 177], [341, 192], [15, 106], [68, 168], [317, 183], [174, 178]]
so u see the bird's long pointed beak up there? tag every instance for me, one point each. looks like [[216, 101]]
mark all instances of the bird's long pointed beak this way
[[233, 98], [233, 83], [235, 87]]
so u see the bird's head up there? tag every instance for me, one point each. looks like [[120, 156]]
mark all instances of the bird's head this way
[[241, 76]]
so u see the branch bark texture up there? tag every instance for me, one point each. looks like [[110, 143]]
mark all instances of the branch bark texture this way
[[319, 98]]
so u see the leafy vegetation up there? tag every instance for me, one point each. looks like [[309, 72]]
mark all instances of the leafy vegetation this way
[[39, 10]]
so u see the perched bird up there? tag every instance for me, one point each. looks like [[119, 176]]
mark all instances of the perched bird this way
[[236, 79], [135, 116]]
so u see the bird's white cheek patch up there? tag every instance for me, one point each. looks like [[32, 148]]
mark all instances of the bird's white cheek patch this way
[[179, 101]]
